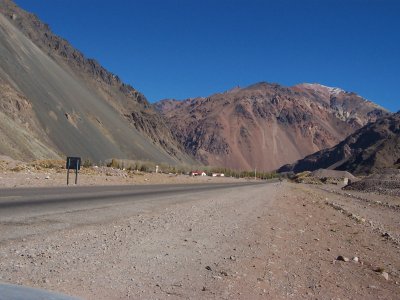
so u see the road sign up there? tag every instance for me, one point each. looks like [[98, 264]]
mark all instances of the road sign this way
[[75, 164]]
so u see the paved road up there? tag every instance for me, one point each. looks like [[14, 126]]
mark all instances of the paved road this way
[[29, 211]]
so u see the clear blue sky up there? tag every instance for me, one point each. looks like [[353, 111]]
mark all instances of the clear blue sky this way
[[187, 48]]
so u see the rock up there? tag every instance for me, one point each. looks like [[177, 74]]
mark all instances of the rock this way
[[232, 257], [379, 270], [342, 258], [385, 275], [355, 259], [208, 268], [47, 177]]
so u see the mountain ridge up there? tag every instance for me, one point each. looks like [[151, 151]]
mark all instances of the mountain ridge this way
[[239, 128], [73, 99], [372, 147]]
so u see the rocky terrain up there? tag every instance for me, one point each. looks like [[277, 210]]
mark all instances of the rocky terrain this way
[[384, 181], [371, 148], [54, 101], [323, 176], [266, 125]]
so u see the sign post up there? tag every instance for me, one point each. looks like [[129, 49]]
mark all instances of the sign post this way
[[73, 163]]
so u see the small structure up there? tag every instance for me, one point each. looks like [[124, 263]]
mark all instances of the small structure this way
[[218, 175], [198, 173]]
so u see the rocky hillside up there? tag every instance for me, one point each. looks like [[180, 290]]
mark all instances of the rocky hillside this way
[[374, 146], [266, 125], [58, 102]]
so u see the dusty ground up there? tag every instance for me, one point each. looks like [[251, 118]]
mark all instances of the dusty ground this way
[[272, 241], [19, 174]]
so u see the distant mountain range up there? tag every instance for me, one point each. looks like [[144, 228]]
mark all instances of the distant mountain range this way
[[54, 101], [265, 125], [374, 146]]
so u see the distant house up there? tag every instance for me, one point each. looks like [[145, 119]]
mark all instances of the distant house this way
[[218, 175], [198, 173]]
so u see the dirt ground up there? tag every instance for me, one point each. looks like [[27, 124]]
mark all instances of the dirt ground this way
[[19, 174], [272, 241]]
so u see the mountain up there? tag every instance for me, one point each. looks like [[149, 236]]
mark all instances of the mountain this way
[[266, 125], [55, 102], [374, 146]]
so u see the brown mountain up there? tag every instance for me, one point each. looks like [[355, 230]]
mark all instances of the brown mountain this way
[[54, 101], [374, 146], [266, 125]]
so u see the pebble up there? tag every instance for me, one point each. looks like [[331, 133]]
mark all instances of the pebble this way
[[385, 275], [342, 258], [355, 259]]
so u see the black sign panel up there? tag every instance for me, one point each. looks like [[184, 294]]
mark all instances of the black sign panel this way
[[73, 163]]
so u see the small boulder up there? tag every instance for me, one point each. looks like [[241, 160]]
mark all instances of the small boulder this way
[[385, 275], [342, 258]]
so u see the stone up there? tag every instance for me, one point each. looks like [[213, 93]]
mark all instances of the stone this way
[[342, 258], [355, 259], [385, 275]]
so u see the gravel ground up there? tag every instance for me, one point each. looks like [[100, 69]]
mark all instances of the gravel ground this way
[[272, 241]]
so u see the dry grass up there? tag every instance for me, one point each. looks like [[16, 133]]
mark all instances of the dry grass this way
[[48, 164]]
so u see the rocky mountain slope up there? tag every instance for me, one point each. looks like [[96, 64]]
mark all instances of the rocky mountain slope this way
[[266, 125], [54, 101], [374, 146]]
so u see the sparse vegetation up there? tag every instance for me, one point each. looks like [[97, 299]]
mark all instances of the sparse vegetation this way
[[149, 166], [87, 163], [18, 168], [48, 164]]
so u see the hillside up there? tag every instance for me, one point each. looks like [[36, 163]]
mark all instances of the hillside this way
[[266, 125], [55, 102], [373, 147]]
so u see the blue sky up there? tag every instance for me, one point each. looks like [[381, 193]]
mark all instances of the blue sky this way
[[186, 48]]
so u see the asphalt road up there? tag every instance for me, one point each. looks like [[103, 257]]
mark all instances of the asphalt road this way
[[32, 211]]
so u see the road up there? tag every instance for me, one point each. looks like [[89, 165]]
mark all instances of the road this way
[[30, 211]]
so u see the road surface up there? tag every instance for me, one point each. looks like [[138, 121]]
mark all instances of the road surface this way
[[29, 211]]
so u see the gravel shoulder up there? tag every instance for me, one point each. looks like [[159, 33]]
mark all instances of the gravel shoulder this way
[[272, 241]]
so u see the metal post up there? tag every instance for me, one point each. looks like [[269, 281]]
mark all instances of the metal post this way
[[76, 173], [68, 175]]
